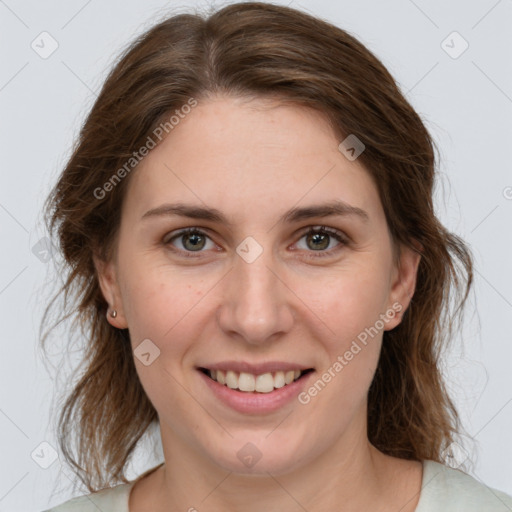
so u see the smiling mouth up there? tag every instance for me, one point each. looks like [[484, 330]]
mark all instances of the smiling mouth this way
[[250, 383]]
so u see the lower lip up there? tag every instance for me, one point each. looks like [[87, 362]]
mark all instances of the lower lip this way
[[256, 403]]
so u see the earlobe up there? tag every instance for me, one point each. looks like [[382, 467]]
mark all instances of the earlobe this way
[[404, 281], [107, 279]]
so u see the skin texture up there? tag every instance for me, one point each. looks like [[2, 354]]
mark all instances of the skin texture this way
[[253, 161]]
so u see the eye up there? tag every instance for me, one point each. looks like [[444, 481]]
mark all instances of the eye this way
[[319, 238], [191, 240]]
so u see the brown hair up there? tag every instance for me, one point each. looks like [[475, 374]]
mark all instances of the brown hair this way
[[268, 51]]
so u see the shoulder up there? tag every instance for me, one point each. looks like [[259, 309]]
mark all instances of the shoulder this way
[[114, 499], [445, 489]]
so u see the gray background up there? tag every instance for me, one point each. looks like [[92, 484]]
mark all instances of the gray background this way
[[465, 100]]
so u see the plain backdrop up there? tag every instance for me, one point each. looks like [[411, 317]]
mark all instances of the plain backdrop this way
[[453, 62]]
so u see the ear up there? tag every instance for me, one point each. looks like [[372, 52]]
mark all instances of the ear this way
[[107, 277], [403, 282]]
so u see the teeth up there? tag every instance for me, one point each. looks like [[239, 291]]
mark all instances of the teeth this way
[[220, 377], [264, 383], [246, 382], [231, 379], [289, 376], [279, 381]]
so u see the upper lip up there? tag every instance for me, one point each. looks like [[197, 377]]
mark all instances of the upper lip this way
[[255, 368]]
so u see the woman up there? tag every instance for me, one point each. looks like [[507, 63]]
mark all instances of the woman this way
[[249, 223]]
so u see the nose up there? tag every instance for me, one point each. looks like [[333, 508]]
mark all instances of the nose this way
[[256, 303]]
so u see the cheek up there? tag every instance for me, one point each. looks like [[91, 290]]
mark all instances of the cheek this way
[[350, 304], [148, 306], [166, 306], [163, 308], [351, 345], [349, 301]]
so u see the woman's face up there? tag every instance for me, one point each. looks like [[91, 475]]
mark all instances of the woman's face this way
[[251, 287]]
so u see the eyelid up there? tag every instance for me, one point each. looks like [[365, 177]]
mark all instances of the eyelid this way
[[183, 231], [321, 228]]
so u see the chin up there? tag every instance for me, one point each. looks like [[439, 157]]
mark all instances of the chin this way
[[257, 454]]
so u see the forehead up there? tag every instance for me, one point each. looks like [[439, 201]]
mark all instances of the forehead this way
[[252, 157]]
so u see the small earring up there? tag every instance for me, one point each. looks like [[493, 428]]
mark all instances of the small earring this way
[[113, 313]]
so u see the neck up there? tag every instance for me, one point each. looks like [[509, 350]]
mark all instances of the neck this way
[[349, 475]]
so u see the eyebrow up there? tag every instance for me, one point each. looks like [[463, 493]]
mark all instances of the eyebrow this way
[[337, 207]]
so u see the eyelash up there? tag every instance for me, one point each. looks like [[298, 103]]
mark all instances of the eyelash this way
[[338, 235]]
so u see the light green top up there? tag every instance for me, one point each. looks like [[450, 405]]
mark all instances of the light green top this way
[[443, 489]]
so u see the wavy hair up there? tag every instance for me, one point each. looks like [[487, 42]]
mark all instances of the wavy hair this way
[[253, 50]]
